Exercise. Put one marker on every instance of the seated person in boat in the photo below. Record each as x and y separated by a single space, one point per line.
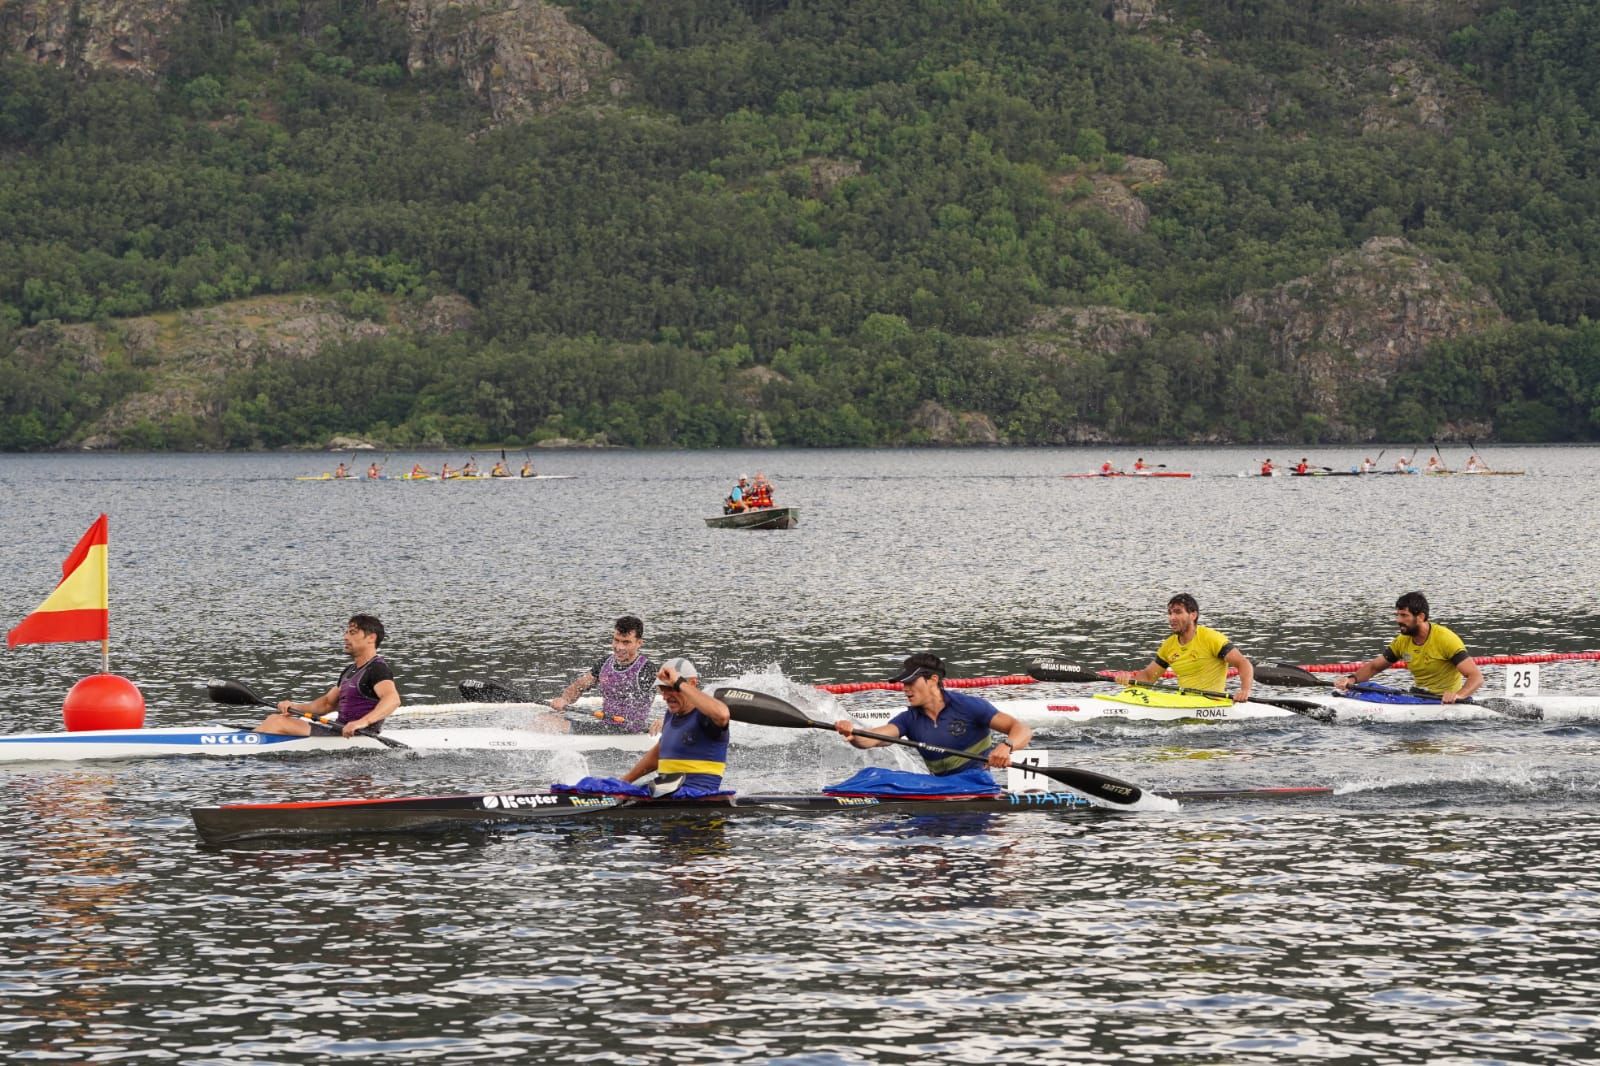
1439 660
341 471
1436 465
499 469
936 715
1267 468
1403 465
470 467
445 473
373 473
527 468
736 498
1106 469
1475 465
364 695
694 732
1368 465
1138 465
417 471
1303 466
1197 654
624 678
760 492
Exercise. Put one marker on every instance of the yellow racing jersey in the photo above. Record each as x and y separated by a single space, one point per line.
1434 662
1201 663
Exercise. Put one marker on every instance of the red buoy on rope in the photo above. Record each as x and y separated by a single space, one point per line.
103 701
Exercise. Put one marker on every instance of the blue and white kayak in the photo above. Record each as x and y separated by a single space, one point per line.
230 742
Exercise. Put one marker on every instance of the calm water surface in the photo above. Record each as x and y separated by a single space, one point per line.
1443 906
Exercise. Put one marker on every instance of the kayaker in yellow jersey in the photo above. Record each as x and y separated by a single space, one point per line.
1439 660
499 470
1197 654
527 468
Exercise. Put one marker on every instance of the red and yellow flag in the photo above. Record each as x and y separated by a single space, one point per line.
80 606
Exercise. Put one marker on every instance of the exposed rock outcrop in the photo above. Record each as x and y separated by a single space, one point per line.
189 355
123 35
521 57
1365 314
942 426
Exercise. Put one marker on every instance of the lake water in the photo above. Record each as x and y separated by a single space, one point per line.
1442 906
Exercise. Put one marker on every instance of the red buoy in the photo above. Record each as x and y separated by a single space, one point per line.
103 701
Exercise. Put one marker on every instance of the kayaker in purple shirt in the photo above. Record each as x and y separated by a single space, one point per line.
626 679
364 695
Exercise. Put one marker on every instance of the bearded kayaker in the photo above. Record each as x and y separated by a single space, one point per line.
1439 660
364 695
936 715
694 732
1197 654
624 678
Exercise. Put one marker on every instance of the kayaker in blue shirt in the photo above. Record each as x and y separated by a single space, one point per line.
694 732
935 715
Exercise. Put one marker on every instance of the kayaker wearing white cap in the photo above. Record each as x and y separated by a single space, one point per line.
694 732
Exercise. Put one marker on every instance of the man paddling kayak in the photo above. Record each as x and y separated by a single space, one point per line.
935 715
364 695
624 678
694 733
1439 660
1197 654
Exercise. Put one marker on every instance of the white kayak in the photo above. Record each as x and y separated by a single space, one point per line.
228 742
1045 713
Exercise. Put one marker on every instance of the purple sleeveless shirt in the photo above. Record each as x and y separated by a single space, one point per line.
353 703
628 693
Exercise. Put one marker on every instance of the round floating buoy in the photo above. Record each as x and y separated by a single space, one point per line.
103 701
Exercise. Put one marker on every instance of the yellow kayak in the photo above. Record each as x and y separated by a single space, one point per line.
1155 697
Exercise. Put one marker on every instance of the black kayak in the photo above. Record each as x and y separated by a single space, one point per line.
229 823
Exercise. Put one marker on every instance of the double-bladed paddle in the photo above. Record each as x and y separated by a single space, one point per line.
1057 670
1285 674
475 691
238 694
759 708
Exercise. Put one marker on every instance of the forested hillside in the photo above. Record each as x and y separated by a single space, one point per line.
704 222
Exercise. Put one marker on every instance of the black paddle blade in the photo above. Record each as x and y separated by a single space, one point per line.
235 694
1526 712
1058 670
1109 789
1288 674
474 691
759 708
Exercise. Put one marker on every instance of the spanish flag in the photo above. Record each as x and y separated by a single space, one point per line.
80 606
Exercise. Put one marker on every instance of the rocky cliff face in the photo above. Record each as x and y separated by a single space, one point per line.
192 353
520 57
1365 314
122 35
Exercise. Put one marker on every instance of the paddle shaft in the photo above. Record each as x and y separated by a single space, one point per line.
759 708
236 694
1080 780
1046 670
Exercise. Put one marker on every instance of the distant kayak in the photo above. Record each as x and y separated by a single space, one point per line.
1136 473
